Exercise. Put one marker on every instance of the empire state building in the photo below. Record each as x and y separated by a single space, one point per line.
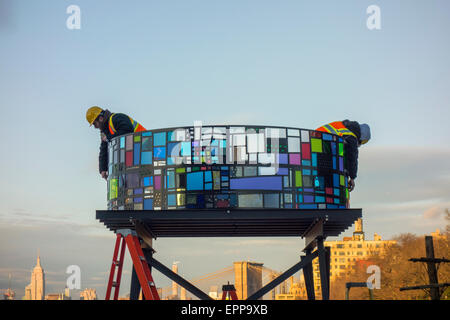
36 289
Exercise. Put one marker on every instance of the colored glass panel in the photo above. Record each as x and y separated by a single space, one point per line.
146 157
137 150
316 145
159 139
298 178
195 181
294 158
341 149
159 153
257 183
306 151
129 158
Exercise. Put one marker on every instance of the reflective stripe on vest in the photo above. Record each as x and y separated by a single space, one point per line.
137 127
336 128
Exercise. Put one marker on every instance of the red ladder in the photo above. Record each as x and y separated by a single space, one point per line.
129 238
229 292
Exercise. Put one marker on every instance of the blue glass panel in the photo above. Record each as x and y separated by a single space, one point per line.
336 192
160 152
320 199
306 172
137 151
195 180
208 176
326 136
257 183
299 198
208 186
171 200
147 181
283 158
147 134
334 163
307 206
332 206
283 171
336 180
306 163
173 149
148 204
314 159
122 142
146 157
333 148
159 139
170 179
185 149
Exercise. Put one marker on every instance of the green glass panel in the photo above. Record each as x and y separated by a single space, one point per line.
316 145
341 149
113 190
298 179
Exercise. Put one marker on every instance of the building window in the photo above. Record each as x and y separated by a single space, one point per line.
340 246
359 246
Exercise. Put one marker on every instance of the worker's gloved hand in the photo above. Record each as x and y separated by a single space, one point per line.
351 184
104 174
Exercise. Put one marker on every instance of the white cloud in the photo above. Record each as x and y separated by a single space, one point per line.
432 213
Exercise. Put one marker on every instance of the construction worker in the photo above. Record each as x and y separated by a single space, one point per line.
354 135
111 125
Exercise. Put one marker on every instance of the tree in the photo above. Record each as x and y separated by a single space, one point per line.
396 270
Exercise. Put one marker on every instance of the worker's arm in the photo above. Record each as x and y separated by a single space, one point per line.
103 158
351 151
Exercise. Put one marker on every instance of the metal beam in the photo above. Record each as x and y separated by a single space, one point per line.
307 260
309 277
175 277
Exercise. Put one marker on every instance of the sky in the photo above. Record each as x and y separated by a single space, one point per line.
170 63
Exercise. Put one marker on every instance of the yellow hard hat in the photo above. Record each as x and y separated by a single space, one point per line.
92 114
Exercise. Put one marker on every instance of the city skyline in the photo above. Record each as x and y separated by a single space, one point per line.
296 64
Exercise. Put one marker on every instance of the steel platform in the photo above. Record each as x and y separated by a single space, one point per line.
231 222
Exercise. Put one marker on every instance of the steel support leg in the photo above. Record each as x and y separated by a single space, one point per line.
135 287
308 275
324 267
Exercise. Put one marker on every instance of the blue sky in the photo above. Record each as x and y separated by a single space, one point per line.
169 63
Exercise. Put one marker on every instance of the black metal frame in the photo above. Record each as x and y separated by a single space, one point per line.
313 225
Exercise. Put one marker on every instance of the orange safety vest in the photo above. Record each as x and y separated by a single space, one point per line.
137 127
337 128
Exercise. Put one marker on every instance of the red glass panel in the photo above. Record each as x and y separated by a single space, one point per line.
306 151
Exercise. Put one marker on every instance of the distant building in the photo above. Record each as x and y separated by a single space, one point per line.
248 278
297 291
346 253
59 296
214 292
36 289
88 294
437 235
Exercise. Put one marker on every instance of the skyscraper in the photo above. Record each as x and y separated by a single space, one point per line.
36 289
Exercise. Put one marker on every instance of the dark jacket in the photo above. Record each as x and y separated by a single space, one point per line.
351 147
123 125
